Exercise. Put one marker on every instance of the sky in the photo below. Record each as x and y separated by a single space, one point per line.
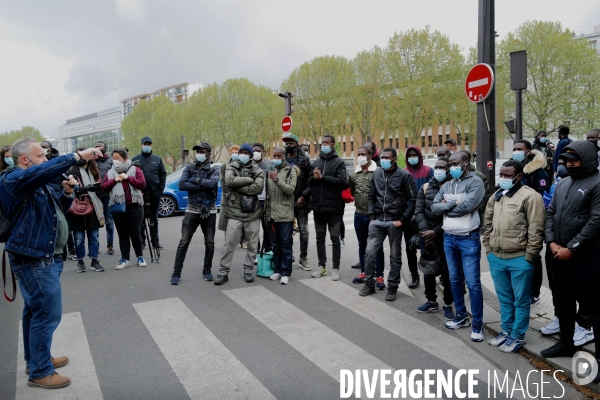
65 58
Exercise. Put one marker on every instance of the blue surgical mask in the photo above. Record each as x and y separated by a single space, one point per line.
277 162
201 157
244 158
518 155
440 175
413 160
325 149
235 157
9 161
386 164
543 139
456 172
146 149
506 183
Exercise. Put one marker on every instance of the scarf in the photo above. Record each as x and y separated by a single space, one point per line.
98 208
117 194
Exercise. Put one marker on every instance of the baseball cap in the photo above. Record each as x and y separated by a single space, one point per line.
203 145
289 136
570 154
146 139
451 141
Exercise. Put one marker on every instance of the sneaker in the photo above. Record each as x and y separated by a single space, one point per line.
360 278
448 313
275 277
57 362
160 246
321 271
512 345
244 245
379 283
342 243
477 336
54 381
458 323
72 256
551 329
582 336
110 250
558 350
123 264
175 279
284 280
248 278
303 263
207 276
95 266
335 274
80 266
391 294
533 300
499 340
415 282
355 266
141 262
430 306
221 279
368 289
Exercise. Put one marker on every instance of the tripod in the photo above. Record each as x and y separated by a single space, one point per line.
150 230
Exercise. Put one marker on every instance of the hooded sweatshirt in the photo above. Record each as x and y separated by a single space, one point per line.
421 173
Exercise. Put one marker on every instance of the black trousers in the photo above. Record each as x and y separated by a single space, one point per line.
189 225
153 214
411 255
129 227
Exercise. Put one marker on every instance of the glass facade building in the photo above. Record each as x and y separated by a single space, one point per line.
86 131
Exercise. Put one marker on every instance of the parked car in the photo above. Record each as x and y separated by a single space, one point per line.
174 200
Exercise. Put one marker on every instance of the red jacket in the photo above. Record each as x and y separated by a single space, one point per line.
138 182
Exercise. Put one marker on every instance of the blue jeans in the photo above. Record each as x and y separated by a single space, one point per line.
109 223
93 244
39 280
463 253
281 234
512 280
378 230
361 226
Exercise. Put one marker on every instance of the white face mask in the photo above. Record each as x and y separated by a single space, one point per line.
117 164
362 160
257 156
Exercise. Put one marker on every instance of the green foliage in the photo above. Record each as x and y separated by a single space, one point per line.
8 138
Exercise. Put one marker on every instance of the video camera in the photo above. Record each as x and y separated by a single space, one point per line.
93 188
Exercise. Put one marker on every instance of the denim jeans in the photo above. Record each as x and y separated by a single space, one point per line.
463 254
512 280
281 234
378 231
39 281
93 244
322 221
361 226
153 214
109 223
189 225
302 218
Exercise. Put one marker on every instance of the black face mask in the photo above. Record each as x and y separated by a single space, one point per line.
573 170
81 163
595 142
290 149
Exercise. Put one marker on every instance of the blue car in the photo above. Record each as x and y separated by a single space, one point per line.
174 200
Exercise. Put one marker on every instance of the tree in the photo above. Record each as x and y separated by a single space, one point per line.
8 138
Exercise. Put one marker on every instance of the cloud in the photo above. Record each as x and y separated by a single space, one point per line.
135 11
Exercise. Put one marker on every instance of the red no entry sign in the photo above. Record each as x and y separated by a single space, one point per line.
286 123
479 83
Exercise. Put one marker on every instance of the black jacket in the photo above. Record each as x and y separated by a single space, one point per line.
534 173
154 172
104 165
201 181
573 218
547 152
77 222
423 215
393 196
327 191
306 169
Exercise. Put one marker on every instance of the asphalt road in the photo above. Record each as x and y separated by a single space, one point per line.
131 335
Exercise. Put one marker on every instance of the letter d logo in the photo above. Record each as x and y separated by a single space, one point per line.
584 367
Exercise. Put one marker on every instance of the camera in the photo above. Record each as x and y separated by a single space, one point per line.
78 190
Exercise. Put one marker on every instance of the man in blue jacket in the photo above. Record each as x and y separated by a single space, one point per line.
564 141
39 234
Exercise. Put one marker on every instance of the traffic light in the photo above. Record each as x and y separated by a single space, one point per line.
287 97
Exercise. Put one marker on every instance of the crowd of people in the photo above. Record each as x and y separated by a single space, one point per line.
448 212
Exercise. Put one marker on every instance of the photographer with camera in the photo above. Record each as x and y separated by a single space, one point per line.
86 215
38 235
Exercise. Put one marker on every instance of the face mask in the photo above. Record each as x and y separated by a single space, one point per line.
518 155
595 142
440 175
201 157
46 151
413 160
81 163
506 183
307 153
325 149
244 158
451 152
456 172
117 164
146 149
573 170
290 149
543 139
235 157
277 162
257 156
9 161
386 164
362 161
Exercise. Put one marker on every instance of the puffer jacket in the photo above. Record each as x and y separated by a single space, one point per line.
360 185
327 191
393 196
534 172
424 217
573 218
201 181
245 180
279 206
514 223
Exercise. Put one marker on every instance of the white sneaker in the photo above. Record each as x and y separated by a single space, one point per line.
285 280
335 274
319 272
477 336
123 264
582 336
275 277
551 329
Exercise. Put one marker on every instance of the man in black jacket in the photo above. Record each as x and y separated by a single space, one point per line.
156 176
329 178
201 180
104 164
392 199
573 234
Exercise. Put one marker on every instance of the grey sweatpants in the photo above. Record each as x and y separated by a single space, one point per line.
234 233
